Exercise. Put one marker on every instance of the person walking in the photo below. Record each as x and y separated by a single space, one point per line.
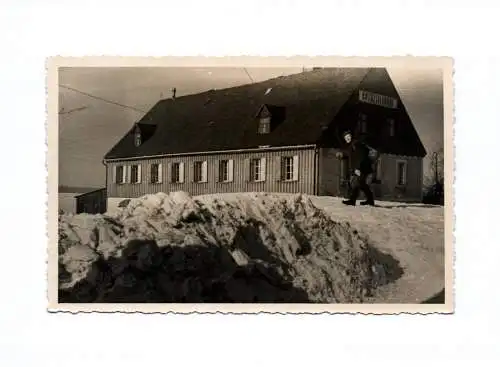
362 175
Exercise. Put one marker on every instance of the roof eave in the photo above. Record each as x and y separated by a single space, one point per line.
166 155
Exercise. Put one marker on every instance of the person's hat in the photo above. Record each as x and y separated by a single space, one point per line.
346 133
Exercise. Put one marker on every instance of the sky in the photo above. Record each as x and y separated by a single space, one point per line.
89 127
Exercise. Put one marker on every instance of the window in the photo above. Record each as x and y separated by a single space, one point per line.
156 173
265 125
226 170
401 173
289 168
363 126
137 139
120 174
178 172
135 174
200 171
392 127
257 169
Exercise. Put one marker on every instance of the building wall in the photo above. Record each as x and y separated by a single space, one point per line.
388 187
330 177
329 173
93 202
240 183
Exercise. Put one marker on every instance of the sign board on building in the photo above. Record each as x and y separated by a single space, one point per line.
378 99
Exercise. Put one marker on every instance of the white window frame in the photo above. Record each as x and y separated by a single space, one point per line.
159 173
290 168
201 176
120 180
405 172
138 178
177 176
137 139
265 125
197 171
224 170
226 175
258 171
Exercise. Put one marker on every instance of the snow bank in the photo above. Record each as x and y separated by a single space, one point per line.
244 248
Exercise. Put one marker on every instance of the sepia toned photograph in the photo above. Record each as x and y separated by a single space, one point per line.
284 185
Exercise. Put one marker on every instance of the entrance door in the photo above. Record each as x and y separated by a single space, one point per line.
344 176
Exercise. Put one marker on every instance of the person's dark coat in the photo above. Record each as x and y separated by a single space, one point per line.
359 157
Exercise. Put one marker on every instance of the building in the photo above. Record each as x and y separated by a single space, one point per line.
67 197
93 202
280 135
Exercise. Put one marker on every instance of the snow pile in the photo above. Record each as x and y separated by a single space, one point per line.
245 248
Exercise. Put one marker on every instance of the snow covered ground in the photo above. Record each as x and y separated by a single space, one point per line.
412 233
252 247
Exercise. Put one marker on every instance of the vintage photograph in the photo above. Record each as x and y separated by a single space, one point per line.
303 185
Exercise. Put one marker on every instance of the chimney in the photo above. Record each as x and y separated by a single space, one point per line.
174 90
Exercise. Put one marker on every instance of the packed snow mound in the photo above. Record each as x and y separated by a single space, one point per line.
248 248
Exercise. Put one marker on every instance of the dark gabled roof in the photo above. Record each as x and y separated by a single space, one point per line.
226 119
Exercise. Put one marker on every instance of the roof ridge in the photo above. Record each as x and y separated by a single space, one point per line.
280 77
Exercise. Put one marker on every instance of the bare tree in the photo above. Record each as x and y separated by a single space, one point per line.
434 190
437 167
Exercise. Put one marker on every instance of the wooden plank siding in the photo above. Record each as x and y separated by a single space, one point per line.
272 183
93 202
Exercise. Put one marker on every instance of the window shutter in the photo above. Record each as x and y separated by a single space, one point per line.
263 168
278 168
128 170
204 173
139 173
114 174
190 173
230 169
295 167
246 172
217 171
160 173
181 172
170 176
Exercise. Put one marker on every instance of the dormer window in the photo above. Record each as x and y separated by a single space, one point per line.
265 125
137 136
137 139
